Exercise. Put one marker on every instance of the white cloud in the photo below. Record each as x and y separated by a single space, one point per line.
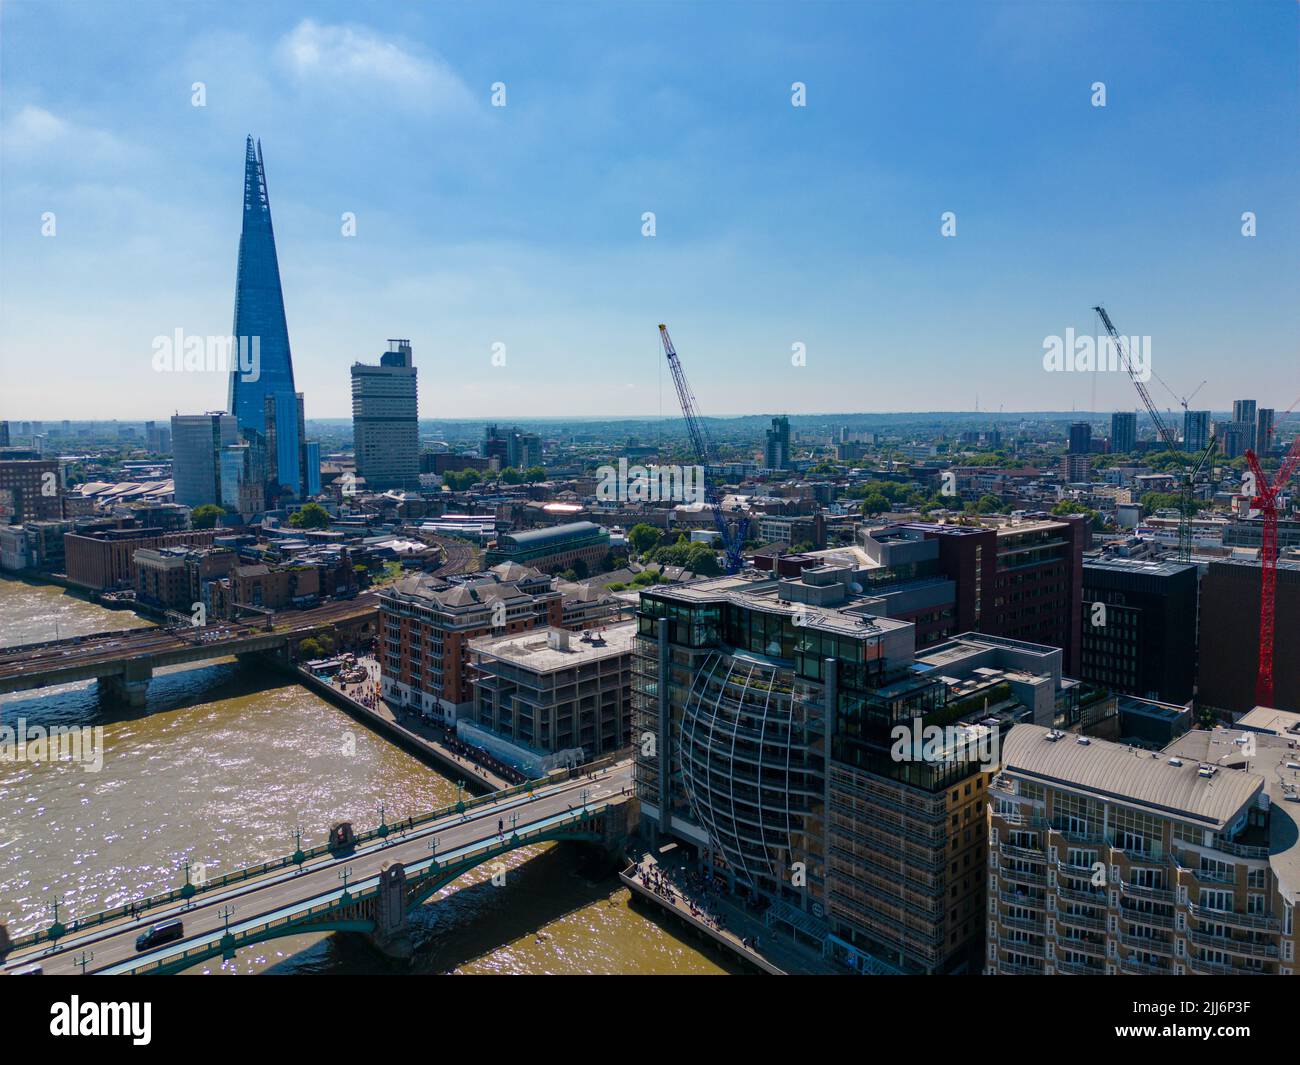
34 130
354 59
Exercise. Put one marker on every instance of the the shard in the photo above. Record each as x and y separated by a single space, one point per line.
260 325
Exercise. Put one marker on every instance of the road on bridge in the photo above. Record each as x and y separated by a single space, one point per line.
83 653
113 944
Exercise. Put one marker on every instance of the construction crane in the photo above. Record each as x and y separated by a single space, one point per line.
733 540
1166 434
1265 501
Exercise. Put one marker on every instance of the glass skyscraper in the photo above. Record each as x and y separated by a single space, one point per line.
260 324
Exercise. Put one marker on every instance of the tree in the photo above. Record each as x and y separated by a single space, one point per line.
580 570
310 648
510 475
644 538
206 516
312 516
874 503
534 474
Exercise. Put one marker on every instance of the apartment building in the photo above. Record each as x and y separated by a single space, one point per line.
1107 859
427 623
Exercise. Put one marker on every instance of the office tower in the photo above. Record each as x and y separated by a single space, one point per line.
774 708
313 468
1139 627
776 447
1232 439
1264 430
1123 432
4 434
524 450
496 445
1244 414
243 478
285 443
260 326
1080 439
197 441
1196 430
385 420
1104 859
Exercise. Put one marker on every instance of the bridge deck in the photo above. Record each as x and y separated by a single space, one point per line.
255 903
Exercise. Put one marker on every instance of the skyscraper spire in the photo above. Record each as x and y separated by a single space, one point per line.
262 331
259 302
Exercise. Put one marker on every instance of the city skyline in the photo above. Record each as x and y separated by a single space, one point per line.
773 229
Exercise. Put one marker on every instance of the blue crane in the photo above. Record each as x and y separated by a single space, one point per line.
733 538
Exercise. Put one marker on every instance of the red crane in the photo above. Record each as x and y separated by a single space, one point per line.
1265 501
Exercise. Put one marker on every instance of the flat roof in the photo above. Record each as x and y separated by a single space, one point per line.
532 650
1129 775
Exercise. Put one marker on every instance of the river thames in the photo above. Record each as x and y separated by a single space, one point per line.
223 767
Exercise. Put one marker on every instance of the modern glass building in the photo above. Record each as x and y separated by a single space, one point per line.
260 323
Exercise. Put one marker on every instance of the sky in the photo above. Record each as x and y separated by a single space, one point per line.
798 254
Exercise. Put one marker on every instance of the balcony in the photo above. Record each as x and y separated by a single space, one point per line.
1234 946
1139 891
1237 920
1083 946
1023 852
1133 967
1075 920
1032 902
1076 968
1033 950
1087 898
1150 945
1036 879
1154 920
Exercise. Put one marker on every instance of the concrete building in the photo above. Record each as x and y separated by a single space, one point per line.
1123 432
385 420
1246 415
550 697
776 445
1106 859
1196 430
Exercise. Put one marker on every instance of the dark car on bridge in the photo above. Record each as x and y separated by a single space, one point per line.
166 932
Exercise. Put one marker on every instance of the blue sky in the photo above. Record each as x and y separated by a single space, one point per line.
775 225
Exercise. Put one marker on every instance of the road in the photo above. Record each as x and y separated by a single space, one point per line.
252 901
81 653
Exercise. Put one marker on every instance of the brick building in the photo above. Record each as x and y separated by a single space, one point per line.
104 559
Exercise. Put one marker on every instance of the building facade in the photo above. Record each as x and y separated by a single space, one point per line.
385 420
551 697
1105 860
1139 627
560 547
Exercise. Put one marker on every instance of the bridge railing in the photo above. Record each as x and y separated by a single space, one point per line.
436 868
142 906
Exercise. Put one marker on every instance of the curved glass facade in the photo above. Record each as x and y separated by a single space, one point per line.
753 768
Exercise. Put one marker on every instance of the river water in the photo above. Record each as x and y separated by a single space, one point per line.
222 769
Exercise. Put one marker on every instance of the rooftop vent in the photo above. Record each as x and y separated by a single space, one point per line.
1053 735
1083 741
1175 761
1207 771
